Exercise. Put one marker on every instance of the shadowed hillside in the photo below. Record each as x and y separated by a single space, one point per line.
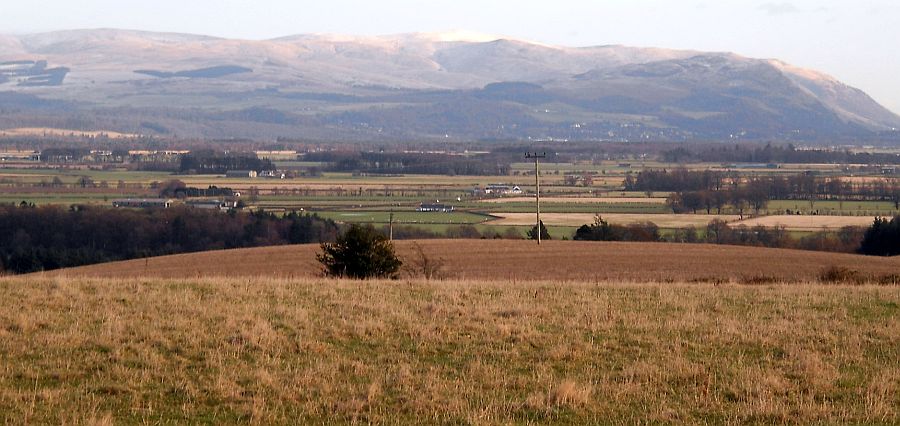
412 86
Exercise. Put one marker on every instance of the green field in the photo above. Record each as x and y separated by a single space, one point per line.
70 176
549 207
59 199
403 217
350 198
843 208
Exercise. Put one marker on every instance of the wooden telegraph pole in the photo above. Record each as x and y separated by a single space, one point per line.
391 227
537 190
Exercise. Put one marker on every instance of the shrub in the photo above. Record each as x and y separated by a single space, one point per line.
889 279
533 232
841 275
425 266
645 231
760 280
512 234
464 231
360 253
600 230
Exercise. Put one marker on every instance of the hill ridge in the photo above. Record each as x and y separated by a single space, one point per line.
518 260
713 95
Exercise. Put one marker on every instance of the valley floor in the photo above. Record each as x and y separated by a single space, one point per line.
288 351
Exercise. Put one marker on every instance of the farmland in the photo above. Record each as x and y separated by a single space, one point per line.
568 332
304 350
808 223
576 184
576 219
789 205
371 199
578 200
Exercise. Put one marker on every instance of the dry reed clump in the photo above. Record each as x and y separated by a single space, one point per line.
565 394
844 275
761 280
279 351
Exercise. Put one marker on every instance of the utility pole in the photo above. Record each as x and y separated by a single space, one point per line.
537 190
391 227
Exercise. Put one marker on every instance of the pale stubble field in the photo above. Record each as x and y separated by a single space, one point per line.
282 351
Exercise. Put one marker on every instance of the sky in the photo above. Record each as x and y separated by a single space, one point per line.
857 41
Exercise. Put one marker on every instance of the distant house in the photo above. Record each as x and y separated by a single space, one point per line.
212 204
272 174
143 203
434 207
752 166
20 156
501 189
241 174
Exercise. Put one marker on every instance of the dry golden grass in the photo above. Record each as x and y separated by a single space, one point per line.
520 260
808 223
663 220
271 351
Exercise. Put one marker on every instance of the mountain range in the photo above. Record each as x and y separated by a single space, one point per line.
422 86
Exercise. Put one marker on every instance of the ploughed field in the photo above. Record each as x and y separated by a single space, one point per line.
520 260
311 350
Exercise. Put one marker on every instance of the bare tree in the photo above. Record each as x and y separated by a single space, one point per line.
425 266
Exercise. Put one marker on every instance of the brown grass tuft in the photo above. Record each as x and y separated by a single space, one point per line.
841 275
569 394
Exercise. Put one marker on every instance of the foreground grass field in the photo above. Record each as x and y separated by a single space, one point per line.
271 351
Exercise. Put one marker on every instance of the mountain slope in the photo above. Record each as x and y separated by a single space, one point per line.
447 85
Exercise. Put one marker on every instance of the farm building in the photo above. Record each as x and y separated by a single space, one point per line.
241 174
501 189
212 204
752 166
434 207
143 203
20 155
272 174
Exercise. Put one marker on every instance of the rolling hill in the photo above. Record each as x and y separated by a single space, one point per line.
412 86
517 260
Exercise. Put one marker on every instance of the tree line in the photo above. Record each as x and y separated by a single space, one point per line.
882 238
412 163
216 162
775 154
712 190
845 240
50 237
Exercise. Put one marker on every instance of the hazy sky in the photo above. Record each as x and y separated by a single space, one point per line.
857 41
